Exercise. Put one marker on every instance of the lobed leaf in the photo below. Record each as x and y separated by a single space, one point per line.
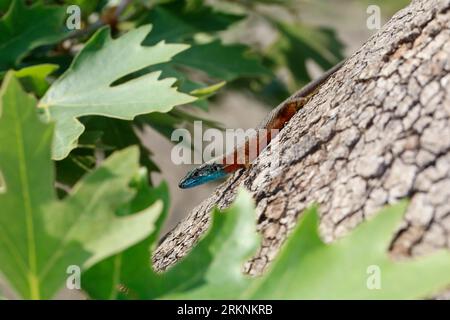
87 87
40 236
305 268
213 267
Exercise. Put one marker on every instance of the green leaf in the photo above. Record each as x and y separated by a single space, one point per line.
185 84
70 170
223 62
194 4
24 28
106 279
33 78
340 270
213 263
174 23
119 134
305 268
86 88
213 270
41 236
4 5
186 21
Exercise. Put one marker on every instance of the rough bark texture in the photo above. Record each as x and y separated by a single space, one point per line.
377 131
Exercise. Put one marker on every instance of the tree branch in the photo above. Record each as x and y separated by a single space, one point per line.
376 132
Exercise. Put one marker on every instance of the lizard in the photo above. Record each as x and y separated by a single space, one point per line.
224 165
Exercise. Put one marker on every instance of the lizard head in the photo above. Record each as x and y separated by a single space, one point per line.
202 174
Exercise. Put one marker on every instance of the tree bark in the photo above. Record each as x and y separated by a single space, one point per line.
378 131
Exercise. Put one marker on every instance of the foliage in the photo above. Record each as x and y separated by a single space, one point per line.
346 269
34 78
24 28
40 235
77 93
185 41
305 268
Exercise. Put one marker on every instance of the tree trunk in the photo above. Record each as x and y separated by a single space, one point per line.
376 132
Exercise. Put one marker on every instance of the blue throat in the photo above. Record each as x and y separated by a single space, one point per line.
201 175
